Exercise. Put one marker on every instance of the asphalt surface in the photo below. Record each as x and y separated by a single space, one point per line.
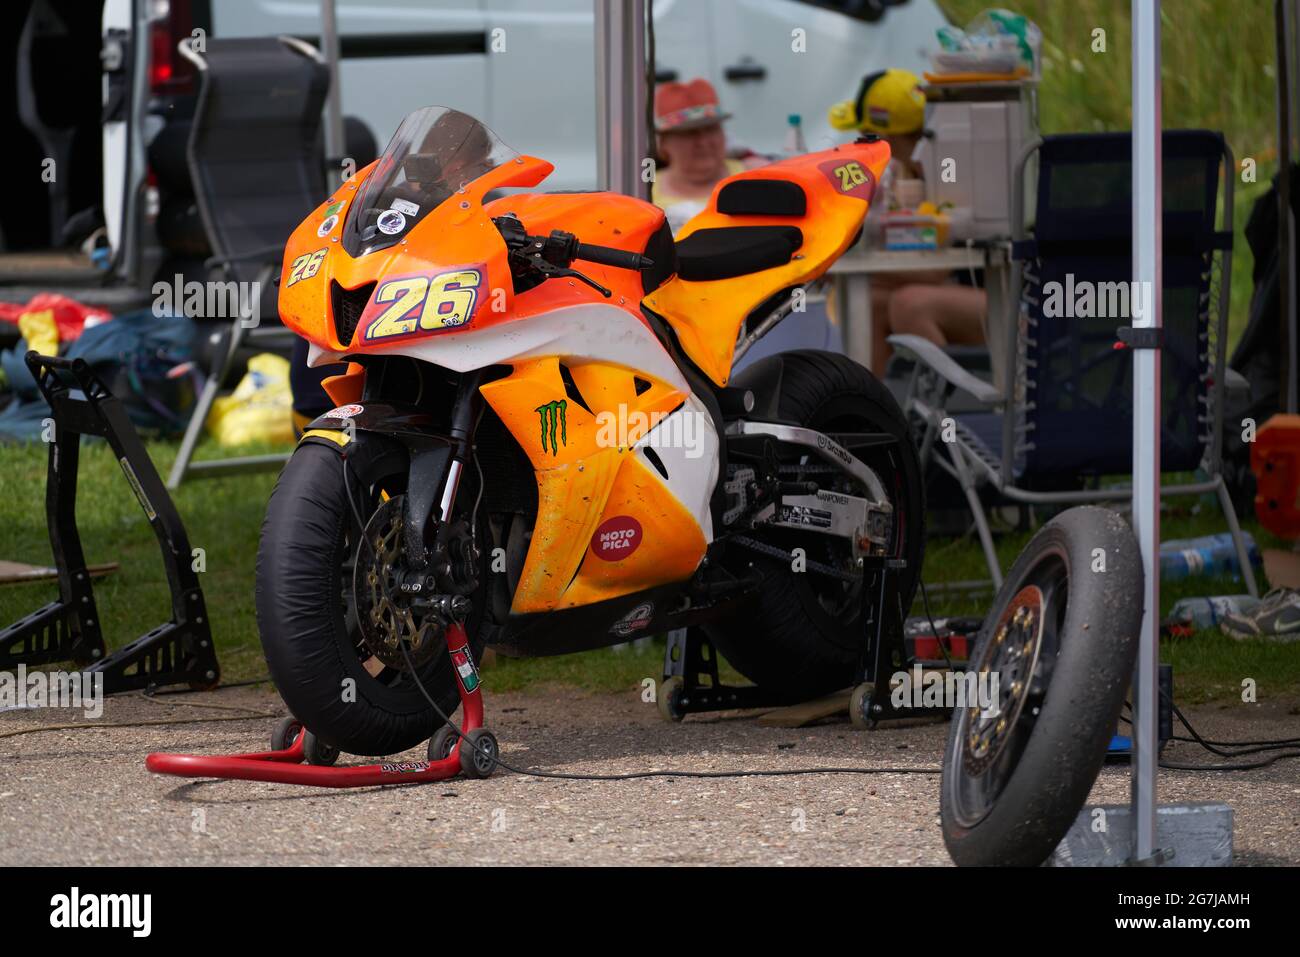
83 796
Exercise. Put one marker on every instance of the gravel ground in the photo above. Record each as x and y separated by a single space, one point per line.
84 797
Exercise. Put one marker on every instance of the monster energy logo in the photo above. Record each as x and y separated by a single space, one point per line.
551 414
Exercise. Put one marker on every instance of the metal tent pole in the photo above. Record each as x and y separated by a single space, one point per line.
622 140
1147 216
329 43
1286 42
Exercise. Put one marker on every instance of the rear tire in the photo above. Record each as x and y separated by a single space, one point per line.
789 641
313 653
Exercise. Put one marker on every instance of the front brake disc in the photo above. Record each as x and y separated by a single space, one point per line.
387 615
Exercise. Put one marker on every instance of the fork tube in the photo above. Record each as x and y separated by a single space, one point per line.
469 403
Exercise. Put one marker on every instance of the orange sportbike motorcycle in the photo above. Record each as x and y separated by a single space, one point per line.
538 433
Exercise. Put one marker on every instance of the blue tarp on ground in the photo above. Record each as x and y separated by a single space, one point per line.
132 354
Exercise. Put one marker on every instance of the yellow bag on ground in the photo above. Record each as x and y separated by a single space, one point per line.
40 331
261 407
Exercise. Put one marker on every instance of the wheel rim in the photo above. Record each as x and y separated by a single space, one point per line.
1021 648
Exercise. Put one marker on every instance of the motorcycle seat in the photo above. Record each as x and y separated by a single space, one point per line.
729 251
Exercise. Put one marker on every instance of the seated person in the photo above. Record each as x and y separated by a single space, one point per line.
693 148
932 305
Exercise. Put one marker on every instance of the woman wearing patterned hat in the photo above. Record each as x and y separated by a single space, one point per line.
688 121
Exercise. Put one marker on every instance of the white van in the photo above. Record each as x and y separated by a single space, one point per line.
526 68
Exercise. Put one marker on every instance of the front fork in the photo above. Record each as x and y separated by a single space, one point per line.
437 466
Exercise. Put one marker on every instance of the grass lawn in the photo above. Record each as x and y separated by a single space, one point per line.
223 516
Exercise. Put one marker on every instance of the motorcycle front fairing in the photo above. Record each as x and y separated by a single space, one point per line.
589 381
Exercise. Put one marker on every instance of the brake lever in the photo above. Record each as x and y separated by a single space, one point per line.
551 271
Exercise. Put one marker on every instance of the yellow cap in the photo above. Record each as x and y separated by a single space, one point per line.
888 102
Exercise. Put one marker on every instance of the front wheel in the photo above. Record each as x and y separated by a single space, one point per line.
1058 646
354 693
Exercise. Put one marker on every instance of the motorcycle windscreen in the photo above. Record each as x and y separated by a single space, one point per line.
434 155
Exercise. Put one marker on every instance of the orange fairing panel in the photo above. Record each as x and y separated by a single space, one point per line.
604 526
347 387
451 263
838 183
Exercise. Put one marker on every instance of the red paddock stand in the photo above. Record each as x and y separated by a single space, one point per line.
475 754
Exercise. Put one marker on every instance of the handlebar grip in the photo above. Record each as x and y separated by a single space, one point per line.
608 256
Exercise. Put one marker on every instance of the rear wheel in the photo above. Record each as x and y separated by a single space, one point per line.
354 695
804 634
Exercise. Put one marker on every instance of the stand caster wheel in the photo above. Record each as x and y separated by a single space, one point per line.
442 743
317 751
860 706
479 753
669 699
285 733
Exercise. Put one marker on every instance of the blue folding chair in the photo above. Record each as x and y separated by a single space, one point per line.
1061 416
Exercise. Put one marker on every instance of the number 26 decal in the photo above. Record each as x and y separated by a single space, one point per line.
413 304
306 266
850 177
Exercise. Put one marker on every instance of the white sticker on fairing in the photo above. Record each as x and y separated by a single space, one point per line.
344 412
327 226
391 222
404 206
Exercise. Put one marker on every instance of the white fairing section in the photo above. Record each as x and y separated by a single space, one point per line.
594 331
686 442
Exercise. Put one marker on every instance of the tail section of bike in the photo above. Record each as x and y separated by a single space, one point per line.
765 230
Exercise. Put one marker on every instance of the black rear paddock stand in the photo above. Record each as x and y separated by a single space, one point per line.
179 651
692 685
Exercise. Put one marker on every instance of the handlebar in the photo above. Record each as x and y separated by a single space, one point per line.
608 256
561 248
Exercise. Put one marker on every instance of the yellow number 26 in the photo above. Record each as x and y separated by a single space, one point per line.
447 299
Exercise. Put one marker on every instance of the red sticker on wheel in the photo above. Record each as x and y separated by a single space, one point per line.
617 538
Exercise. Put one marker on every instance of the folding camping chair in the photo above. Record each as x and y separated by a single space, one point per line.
1062 416
257 170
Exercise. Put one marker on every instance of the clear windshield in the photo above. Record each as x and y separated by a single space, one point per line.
435 152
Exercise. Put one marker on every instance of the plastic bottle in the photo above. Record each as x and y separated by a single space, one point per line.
1207 612
1209 555
794 142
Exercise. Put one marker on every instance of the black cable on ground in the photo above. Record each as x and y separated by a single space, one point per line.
1286 748
249 715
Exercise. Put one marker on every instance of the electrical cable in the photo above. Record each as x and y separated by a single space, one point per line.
249 715
925 599
1284 748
